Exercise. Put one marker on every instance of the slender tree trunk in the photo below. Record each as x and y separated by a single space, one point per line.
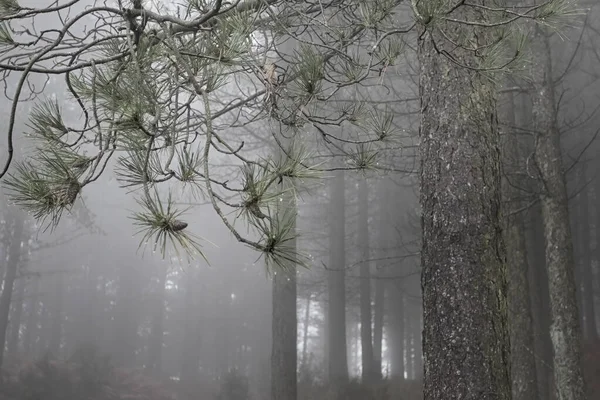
14 256
409 347
31 325
284 348
379 306
565 330
418 329
366 340
155 342
539 303
284 351
192 341
305 365
15 321
589 311
56 314
524 375
465 340
338 358
378 311
397 330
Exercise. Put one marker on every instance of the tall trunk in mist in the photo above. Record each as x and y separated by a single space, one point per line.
465 339
15 321
418 345
379 306
596 254
583 222
284 350
192 339
155 341
524 375
565 329
305 324
31 324
14 256
125 321
396 336
336 277
378 312
366 340
56 315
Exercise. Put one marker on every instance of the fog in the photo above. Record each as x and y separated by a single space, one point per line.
92 301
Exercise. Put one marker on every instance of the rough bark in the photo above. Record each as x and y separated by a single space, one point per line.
14 256
565 329
366 340
465 339
523 372
337 358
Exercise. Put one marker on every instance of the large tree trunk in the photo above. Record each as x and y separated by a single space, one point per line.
565 330
338 359
465 339
366 340
524 375
14 256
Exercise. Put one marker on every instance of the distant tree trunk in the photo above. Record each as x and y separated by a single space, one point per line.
409 347
540 300
418 330
397 329
155 341
378 310
125 321
15 321
587 277
379 306
14 256
524 375
56 315
366 340
337 345
192 338
565 330
31 325
597 231
306 323
284 350
465 340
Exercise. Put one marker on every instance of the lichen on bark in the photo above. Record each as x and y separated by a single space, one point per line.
465 338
